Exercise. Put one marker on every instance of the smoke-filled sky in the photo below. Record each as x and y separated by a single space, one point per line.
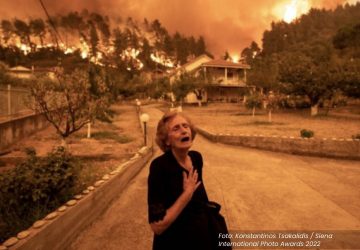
226 24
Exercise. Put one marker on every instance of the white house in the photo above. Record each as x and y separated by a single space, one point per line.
227 79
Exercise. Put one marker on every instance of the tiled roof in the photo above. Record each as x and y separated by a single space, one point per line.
219 63
19 68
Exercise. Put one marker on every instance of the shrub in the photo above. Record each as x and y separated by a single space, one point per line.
304 133
357 136
253 101
34 188
103 135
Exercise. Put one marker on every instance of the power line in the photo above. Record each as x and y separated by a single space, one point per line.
57 35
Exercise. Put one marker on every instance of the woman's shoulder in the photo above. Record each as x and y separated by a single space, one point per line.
160 162
197 157
194 152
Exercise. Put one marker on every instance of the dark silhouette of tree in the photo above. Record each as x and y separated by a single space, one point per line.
145 54
226 56
264 73
181 48
22 29
37 27
249 53
302 75
7 30
94 39
200 46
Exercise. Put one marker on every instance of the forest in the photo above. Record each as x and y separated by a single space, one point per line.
317 56
77 38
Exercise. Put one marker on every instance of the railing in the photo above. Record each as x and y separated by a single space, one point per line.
13 102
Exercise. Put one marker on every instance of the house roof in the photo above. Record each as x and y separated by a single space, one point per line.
201 57
20 69
219 63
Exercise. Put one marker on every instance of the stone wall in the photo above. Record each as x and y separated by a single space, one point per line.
58 229
326 147
14 130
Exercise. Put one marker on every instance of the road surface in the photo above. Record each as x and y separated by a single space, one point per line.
258 190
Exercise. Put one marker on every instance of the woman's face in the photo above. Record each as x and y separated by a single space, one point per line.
179 133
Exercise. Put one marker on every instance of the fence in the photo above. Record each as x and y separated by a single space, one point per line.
13 101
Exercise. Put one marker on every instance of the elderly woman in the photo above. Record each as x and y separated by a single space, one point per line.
176 193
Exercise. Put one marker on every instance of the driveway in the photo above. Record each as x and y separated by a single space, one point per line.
258 190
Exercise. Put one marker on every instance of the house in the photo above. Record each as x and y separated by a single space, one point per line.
20 72
26 73
227 80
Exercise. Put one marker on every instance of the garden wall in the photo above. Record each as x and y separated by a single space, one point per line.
14 130
58 229
326 147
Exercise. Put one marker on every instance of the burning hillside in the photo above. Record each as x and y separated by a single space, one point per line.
124 43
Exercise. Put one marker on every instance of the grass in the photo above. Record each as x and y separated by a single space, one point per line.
235 118
108 135
261 123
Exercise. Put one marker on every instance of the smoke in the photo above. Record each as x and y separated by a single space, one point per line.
226 24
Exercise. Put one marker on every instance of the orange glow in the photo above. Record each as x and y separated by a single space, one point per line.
24 48
295 9
235 58
290 13
161 59
84 49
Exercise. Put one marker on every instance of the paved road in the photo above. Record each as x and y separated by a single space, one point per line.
258 190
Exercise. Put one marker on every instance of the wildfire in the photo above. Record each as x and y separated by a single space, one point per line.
84 49
161 59
131 54
235 58
24 48
295 9
68 51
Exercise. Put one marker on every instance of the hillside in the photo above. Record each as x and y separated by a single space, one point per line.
76 38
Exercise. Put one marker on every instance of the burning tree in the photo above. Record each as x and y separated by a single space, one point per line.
67 102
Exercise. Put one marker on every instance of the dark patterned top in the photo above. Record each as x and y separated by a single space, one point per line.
165 184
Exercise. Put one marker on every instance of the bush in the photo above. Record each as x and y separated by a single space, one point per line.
357 136
34 188
253 101
304 133
103 135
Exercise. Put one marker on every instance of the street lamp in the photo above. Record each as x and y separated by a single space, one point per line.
144 118
138 104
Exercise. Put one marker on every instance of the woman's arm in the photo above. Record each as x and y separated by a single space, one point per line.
190 184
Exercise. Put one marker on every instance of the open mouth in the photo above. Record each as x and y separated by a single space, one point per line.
185 139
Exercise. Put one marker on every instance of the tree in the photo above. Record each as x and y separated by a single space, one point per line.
144 55
226 56
200 46
350 78
94 39
300 74
37 27
253 101
67 103
158 88
4 77
264 73
181 48
7 30
22 29
186 84
250 53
